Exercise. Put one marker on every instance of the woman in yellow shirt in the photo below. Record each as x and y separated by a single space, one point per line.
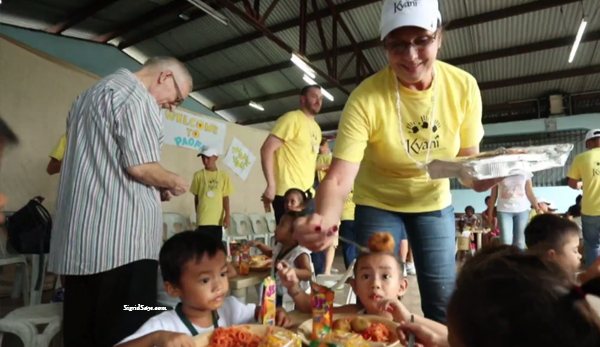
413 111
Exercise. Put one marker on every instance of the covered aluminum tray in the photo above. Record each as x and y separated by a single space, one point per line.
501 162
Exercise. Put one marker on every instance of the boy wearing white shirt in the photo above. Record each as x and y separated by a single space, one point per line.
194 268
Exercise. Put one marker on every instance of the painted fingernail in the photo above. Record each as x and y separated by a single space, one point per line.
318 229
335 228
330 234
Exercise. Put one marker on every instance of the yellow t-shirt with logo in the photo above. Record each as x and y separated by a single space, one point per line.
369 134
296 159
586 167
323 159
58 152
210 210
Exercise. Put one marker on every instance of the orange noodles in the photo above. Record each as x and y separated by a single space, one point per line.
234 337
377 332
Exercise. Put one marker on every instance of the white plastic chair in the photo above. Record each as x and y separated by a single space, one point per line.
162 297
193 221
240 228
260 228
25 321
331 280
21 279
271 225
173 223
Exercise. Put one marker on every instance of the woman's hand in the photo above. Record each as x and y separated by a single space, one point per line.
396 308
255 244
315 233
287 275
282 319
424 337
172 339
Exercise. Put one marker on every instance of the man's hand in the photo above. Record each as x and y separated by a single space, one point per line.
165 194
269 195
226 221
180 187
579 185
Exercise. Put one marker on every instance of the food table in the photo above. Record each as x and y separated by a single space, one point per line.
239 284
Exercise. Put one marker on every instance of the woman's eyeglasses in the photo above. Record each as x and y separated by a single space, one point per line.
420 44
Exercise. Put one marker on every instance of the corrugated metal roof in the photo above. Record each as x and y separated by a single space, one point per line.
90 28
125 10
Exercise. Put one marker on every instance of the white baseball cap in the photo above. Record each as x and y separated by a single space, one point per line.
592 134
209 152
403 13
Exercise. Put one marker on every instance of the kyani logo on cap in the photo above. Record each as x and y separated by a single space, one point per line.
401 5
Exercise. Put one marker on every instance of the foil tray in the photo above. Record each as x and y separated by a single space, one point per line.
501 162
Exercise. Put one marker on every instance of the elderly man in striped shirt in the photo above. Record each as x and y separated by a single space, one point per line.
108 227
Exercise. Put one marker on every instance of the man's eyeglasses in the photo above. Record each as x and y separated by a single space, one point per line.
179 99
420 44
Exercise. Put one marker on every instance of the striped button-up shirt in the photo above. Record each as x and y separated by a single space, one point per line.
104 217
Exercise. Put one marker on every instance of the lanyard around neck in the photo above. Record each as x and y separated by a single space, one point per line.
189 324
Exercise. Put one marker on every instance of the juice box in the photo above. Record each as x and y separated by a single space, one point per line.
244 260
322 311
266 315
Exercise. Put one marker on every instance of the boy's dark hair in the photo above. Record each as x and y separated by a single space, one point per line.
7 136
506 290
471 208
305 89
184 247
306 195
548 231
487 198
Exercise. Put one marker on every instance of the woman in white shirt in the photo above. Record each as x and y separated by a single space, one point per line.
515 197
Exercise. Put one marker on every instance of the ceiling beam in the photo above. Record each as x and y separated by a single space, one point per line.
79 16
508 12
259 27
375 42
509 82
347 6
152 15
281 95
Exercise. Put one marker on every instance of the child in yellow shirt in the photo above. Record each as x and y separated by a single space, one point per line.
212 189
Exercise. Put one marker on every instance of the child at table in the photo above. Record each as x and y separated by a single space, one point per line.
557 239
296 199
194 268
287 250
378 283
507 297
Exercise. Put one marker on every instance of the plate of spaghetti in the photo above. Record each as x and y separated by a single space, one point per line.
239 336
376 331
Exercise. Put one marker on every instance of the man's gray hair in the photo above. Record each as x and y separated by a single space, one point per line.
170 63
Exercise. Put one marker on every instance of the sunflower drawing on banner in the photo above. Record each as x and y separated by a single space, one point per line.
239 159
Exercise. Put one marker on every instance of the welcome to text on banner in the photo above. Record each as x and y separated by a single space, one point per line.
188 130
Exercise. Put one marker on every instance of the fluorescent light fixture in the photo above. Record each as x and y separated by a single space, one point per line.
577 40
308 80
325 93
210 11
256 106
302 65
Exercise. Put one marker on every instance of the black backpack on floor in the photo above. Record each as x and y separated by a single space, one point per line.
29 228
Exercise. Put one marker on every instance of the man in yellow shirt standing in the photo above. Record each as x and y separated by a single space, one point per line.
212 189
56 156
585 173
289 156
